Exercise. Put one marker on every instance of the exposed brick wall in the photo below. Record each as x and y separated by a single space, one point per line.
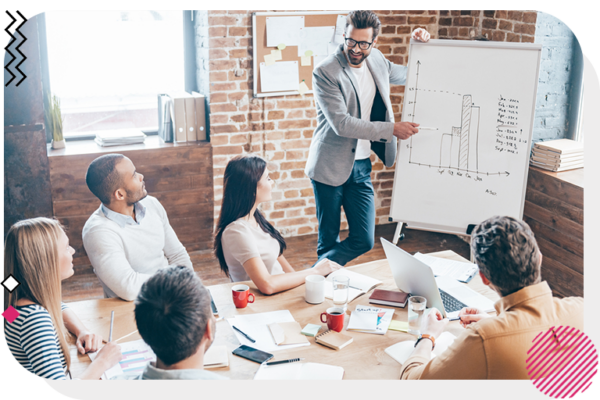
498 25
280 128
561 70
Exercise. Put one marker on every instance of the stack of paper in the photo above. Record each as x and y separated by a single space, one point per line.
136 355
461 271
257 327
359 284
362 320
216 357
299 371
384 318
119 137
557 155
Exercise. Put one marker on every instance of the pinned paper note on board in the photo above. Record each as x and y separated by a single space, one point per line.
315 38
340 27
269 59
284 30
331 47
276 55
305 61
303 88
280 76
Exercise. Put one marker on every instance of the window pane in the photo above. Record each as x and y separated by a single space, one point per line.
107 67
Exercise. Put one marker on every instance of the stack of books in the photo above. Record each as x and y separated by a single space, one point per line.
119 137
557 155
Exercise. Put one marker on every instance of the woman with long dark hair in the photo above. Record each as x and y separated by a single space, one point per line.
246 244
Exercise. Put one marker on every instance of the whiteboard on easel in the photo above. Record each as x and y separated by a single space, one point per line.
476 101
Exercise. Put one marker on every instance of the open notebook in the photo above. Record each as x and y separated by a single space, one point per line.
359 284
401 351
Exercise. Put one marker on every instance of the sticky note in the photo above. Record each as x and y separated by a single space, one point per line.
276 55
306 61
303 88
311 329
308 53
281 46
269 59
398 326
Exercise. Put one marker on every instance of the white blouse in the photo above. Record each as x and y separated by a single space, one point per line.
241 241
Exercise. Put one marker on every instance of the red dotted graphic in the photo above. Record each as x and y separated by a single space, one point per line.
562 362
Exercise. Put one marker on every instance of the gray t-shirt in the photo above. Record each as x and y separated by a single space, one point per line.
241 242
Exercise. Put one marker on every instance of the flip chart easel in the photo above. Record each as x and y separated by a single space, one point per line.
481 99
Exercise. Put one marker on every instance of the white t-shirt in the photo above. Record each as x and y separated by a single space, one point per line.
366 95
241 241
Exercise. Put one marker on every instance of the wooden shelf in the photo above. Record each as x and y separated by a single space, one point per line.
80 147
554 211
574 176
180 176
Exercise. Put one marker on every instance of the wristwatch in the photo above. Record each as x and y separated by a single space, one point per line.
426 336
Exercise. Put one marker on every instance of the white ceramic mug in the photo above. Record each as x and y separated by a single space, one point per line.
315 289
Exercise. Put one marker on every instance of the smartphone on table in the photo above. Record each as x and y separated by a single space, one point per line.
252 354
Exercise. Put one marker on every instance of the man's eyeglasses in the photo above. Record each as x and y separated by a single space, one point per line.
362 45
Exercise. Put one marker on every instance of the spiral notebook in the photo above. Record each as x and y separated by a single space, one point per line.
333 339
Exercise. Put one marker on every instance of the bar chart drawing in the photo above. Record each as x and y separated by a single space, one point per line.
458 145
474 103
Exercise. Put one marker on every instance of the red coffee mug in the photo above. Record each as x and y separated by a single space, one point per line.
334 317
241 296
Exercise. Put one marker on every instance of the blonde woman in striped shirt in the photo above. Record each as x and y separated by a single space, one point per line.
37 253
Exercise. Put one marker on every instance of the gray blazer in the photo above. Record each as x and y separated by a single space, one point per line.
339 124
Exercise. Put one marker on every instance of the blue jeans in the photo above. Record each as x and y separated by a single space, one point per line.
357 197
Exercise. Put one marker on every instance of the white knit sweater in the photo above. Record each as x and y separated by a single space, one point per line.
123 258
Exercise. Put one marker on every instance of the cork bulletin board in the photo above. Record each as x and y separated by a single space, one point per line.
290 53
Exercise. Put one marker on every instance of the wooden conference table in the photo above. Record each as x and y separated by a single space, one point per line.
364 358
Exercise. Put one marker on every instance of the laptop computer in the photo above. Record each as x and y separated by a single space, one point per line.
442 292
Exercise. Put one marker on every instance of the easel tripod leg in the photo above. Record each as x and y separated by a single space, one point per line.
398 234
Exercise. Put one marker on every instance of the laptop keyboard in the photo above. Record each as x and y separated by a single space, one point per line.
450 303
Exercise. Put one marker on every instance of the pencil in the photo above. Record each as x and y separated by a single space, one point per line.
112 320
123 337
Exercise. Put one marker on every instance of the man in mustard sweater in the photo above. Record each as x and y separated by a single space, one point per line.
495 347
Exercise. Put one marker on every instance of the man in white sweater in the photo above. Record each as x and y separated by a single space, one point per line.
128 238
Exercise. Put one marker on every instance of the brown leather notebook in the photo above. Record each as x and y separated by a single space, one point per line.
333 339
389 298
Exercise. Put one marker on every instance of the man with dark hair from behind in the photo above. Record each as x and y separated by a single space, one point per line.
128 238
173 316
496 347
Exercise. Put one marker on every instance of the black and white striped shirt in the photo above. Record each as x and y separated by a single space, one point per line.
33 341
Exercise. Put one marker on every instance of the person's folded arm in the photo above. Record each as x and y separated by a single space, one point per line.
270 284
107 256
463 359
333 105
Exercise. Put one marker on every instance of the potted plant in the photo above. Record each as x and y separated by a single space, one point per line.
55 122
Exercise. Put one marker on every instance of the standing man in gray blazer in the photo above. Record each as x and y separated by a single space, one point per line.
354 116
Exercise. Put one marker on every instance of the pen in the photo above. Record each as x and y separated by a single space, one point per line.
247 337
354 287
291 360
427 128
112 320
